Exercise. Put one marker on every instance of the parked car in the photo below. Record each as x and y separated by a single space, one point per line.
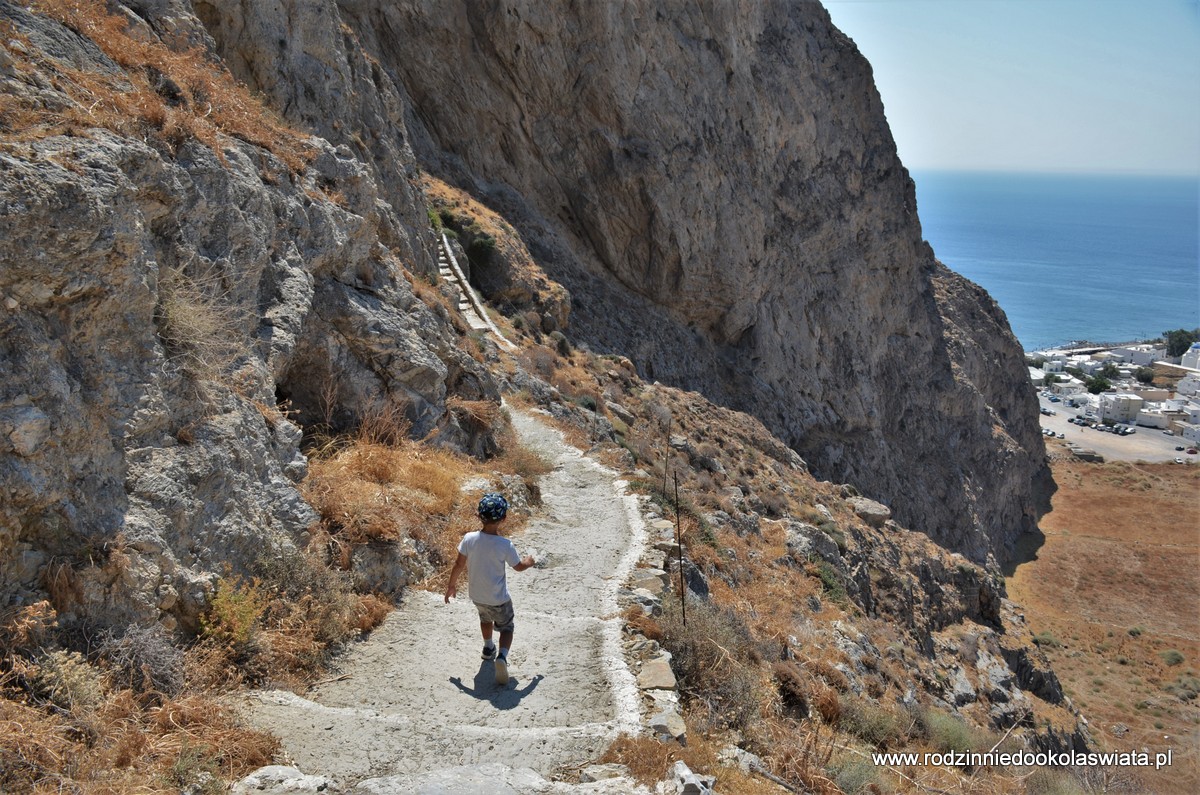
1062 436
1178 460
1191 451
1178 447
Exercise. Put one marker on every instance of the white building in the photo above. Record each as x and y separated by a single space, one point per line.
1189 384
1036 376
1120 406
1067 385
1191 357
1153 418
1141 355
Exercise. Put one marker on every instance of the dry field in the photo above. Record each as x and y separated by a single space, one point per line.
1114 594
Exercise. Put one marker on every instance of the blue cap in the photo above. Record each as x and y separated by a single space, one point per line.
493 507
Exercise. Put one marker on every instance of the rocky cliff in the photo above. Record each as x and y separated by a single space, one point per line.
176 260
725 173
161 294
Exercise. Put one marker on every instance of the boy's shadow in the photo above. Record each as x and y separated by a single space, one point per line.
486 689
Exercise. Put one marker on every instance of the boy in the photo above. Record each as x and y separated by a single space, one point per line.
484 553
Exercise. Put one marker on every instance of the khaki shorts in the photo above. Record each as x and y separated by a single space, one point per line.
500 615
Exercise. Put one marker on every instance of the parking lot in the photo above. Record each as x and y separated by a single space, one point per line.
1148 444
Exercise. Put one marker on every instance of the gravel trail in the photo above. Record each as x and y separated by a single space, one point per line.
415 696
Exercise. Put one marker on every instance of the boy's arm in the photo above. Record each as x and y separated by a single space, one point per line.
452 587
526 562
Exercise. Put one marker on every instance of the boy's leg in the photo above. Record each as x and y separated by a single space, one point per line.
489 648
505 643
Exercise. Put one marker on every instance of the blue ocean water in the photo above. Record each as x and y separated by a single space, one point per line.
1071 257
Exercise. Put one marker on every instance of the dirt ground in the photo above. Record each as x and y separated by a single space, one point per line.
1114 593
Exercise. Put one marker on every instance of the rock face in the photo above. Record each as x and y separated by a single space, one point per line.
725 174
156 303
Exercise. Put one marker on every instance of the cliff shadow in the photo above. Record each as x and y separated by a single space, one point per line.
1024 551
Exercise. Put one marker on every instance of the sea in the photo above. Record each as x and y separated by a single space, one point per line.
1071 258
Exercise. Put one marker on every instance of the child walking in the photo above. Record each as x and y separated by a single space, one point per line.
485 553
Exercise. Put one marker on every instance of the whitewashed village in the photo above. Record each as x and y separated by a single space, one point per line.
1121 390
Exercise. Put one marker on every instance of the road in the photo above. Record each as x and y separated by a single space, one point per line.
1148 444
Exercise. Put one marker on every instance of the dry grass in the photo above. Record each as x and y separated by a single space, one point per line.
373 491
172 96
113 741
649 761
1115 584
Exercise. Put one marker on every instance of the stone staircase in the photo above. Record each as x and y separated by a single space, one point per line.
469 304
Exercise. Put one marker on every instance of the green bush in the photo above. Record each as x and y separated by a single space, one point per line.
869 722
480 249
949 733
1048 640
1171 657
854 774
831 583
561 343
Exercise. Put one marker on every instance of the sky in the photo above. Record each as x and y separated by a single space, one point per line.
1092 86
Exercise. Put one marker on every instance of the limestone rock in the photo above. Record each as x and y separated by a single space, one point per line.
280 780
872 512
657 674
689 783
668 725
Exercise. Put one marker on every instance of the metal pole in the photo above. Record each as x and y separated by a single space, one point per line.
666 456
679 548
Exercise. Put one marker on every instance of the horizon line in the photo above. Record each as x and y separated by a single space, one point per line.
1062 172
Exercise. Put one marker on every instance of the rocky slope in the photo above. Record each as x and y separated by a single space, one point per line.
725 174
159 297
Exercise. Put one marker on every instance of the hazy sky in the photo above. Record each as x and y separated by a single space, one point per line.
1035 85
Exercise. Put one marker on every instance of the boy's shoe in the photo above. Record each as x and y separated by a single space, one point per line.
501 671
489 652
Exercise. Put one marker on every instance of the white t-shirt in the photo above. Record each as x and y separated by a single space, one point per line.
486 556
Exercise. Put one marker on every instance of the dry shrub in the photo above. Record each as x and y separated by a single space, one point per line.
870 722
717 663
66 680
793 687
641 623
34 747
203 330
826 670
370 491
175 95
827 703
372 610
123 746
143 659
800 755
518 459
27 627
539 360
481 415
61 583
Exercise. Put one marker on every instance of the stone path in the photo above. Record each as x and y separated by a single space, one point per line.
469 305
415 697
